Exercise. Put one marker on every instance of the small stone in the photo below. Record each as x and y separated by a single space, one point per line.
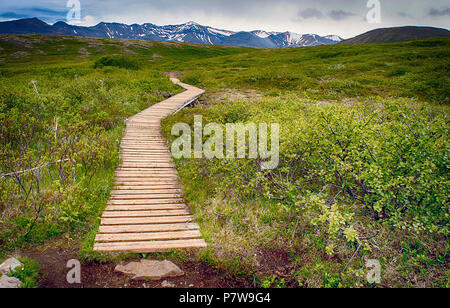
150 269
167 284
9 282
10 265
191 285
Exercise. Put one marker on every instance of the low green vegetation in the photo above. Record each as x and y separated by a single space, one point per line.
363 171
28 274
61 126
355 182
417 69
117 61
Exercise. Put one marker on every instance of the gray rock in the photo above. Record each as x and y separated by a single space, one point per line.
150 269
10 265
167 284
7 282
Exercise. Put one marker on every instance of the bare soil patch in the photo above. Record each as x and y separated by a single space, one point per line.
53 263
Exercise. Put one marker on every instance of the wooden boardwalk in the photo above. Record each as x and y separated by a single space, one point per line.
146 211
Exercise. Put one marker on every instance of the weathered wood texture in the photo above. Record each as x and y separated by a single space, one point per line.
146 211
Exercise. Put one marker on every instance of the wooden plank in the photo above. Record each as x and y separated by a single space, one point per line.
146 138
129 173
147 182
146 151
143 139
148 170
151 185
144 145
147 161
144 135
148 165
150 247
148 148
161 156
147 156
145 142
124 176
132 173
155 213
146 207
147 145
136 237
146 220
150 196
149 175
148 187
148 228
146 202
148 191
153 181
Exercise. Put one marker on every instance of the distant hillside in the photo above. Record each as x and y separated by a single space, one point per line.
398 34
190 32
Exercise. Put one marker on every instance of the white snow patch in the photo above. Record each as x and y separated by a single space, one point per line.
334 38
262 34
223 32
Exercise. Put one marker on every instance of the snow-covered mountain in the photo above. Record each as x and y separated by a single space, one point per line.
189 32
334 38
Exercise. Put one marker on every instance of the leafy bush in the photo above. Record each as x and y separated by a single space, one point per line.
59 145
347 171
117 61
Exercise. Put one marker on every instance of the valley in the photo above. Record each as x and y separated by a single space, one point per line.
363 171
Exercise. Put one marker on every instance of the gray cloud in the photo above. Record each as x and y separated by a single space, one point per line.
440 12
310 13
47 10
13 15
340 14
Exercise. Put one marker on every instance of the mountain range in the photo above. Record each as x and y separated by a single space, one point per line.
190 32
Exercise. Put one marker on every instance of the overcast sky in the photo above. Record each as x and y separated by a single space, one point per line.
346 18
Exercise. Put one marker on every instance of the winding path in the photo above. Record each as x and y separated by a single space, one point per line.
146 211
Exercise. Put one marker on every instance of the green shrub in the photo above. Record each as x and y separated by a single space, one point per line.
70 121
118 61
28 274
386 156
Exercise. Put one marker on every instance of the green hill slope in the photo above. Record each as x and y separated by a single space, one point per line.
397 34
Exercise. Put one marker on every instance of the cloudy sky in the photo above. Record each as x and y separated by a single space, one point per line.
346 18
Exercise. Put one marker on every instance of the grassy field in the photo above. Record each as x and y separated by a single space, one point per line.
364 146
363 172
